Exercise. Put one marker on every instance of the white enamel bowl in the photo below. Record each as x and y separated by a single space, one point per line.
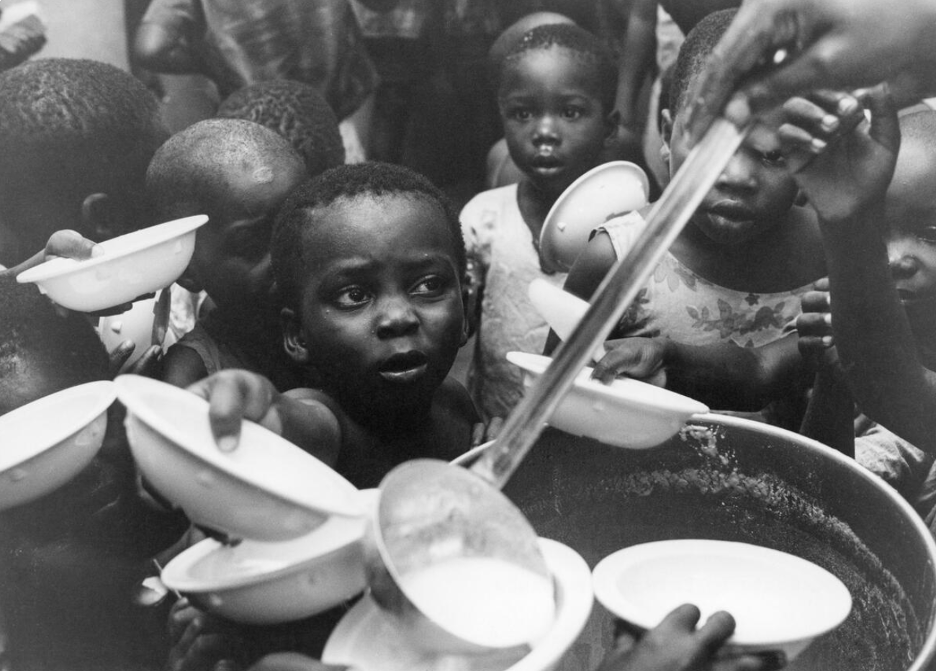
779 601
267 489
134 264
261 583
627 413
604 192
370 638
48 442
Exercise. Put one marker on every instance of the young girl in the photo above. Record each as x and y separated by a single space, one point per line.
732 281
556 99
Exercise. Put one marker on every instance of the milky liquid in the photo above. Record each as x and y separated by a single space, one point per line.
484 600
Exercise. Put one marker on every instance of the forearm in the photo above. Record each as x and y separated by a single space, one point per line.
830 414
729 377
875 343
637 59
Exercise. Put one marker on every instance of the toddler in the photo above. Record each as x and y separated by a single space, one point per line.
297 112
369 260
879 240
732 281
238 173
556 99
71 560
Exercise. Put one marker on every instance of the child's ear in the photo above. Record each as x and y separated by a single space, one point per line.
612 121
102 217
293 340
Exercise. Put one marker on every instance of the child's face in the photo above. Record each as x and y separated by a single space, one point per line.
381 316
554 121
754 192
232 252
910 211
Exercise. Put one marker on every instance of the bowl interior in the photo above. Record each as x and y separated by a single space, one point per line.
262 460
212 566
45 423
622 393
604 192
774 597
115 249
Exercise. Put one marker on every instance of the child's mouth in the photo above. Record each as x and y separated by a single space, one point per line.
404 367
731 212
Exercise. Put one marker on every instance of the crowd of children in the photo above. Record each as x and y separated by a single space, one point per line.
329 300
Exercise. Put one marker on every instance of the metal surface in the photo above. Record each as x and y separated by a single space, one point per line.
737 480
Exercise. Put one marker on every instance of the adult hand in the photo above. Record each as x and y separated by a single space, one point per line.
840 44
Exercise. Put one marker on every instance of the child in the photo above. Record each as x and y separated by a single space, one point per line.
71 560
75 139
238 173
369 260
880 247
297 112
733 279
556 99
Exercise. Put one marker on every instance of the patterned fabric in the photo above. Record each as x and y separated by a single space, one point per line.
680 305
905 467
501 244
312 41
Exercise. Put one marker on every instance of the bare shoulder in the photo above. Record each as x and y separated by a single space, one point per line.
182 366
453 400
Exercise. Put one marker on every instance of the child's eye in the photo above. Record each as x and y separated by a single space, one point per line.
430 285
519 114
352 297
573 113
774 158
927 234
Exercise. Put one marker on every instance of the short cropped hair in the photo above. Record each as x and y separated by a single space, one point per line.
31 330
297 112
79 125
694 52
583 45
190 167
347 182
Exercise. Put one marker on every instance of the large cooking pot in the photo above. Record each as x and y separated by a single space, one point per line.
736 480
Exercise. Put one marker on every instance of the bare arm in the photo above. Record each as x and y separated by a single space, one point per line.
637 59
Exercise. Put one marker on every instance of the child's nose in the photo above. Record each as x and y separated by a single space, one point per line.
397 318
738 174
545 130
902 265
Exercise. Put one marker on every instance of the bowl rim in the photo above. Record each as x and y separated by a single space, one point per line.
127 387
107 393
177 572
547 233
609 569
148 237
628 390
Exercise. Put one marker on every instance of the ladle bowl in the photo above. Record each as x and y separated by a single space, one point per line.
455 561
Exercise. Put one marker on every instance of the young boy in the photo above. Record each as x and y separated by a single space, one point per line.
882 250
238 173
76 137
720 304
297 112
369 260
556 99
71 561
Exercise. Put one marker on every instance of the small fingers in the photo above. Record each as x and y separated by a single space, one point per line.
71 244
233 396
717 629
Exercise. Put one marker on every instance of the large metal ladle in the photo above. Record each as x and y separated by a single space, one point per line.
430 512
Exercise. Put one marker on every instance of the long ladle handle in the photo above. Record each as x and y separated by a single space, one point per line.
665 221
